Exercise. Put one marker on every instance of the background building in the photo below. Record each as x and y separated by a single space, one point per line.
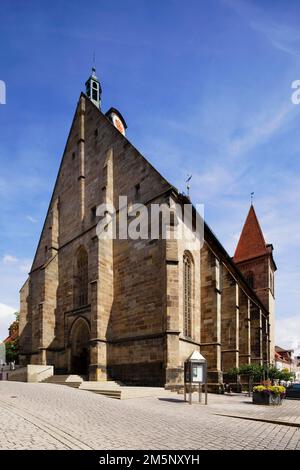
284 359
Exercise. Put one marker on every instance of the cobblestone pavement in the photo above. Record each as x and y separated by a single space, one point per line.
47 416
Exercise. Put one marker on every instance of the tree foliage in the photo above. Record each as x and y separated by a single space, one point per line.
12 350
12 344
258 372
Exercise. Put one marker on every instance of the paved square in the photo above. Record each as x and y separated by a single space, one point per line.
47 416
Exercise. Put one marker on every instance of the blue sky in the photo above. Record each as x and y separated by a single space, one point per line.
205 88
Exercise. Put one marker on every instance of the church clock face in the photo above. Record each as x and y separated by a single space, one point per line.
118 123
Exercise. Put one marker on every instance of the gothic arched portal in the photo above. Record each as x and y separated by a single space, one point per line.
80 348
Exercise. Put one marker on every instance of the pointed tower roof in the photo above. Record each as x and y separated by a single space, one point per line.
251 243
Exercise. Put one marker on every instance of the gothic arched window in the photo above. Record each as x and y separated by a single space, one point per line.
81 278
187 294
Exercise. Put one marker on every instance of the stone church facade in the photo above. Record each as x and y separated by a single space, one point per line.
135 309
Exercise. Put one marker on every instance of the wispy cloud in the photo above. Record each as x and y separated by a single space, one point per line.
31 219
7 259
22 264
13 273
287 332
6 318
13 186
263 128
25 266
279 35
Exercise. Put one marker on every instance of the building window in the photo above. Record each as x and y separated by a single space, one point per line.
93 213
187 294
81 278
218 267
95 95
137 192
250 279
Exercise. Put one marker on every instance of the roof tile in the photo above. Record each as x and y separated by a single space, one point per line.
251 243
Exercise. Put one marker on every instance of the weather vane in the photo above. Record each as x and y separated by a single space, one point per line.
188 185
251 196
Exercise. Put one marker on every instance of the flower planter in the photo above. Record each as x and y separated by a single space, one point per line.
262 398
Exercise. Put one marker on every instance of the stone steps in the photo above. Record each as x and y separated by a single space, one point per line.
109 388
117 394
103 385
121 392
70 380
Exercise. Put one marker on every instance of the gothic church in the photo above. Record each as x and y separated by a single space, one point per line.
134 310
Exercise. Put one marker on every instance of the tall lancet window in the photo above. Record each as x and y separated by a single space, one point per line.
187 294
81 278
95 95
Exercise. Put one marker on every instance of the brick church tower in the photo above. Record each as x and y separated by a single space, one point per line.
254 258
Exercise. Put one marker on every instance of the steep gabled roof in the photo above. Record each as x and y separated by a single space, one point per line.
251 243
118 135
218 249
